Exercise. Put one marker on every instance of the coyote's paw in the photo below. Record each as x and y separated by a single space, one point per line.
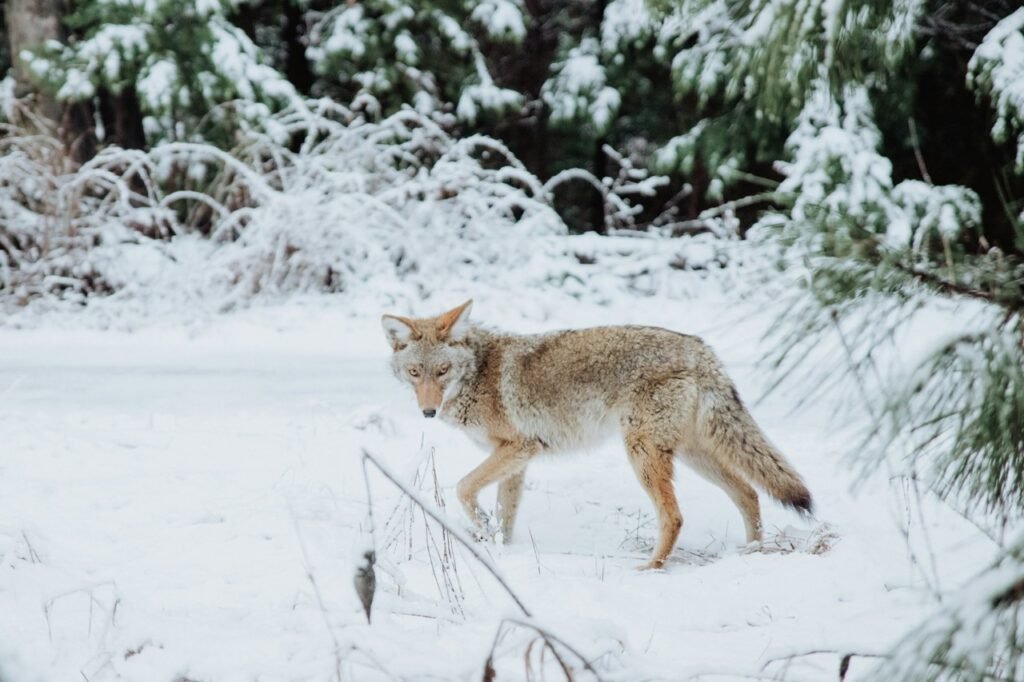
483 529
752 547
652 565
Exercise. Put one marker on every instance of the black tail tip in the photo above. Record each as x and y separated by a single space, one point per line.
801 502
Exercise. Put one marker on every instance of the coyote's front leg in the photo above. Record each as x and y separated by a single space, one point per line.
507 460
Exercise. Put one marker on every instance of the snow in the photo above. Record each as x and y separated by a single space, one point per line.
760 26
156 84
899 28
964 629
997 68
479 98
236 62
372 45
832 19
346 33
7 97
626 23
136 45
206 8
501 19
99 59
396 14
127 41
578 90
944 210
484 96
405 48
186 501
679 152
76 85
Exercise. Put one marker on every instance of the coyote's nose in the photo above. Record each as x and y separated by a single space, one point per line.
429 413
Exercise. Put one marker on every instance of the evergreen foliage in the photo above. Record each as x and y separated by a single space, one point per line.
194 74
750 66
880 251
426 54
997 70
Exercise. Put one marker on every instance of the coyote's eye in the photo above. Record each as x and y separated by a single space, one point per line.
414 371
442 370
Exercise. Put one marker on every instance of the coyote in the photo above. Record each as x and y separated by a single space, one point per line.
522 395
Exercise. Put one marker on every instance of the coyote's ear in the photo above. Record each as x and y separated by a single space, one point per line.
399 330
454 323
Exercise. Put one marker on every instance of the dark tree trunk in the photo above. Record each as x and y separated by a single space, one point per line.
122 118
599 165
954 142
78 131
525 71
30 23
296 67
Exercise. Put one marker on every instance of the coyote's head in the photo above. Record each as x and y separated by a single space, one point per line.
431 354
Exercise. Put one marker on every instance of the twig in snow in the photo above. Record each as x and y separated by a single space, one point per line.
456 533
550 639
844 659
32 554
536 554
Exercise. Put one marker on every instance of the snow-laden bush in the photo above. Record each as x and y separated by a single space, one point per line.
348 206
44 241
397 209
390 201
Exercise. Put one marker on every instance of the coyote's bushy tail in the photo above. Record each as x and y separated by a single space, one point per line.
735 436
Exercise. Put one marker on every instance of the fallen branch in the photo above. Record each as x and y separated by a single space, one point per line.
549 637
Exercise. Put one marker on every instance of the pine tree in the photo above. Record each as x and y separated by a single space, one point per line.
879 250
747 67
554 80
427 54
166 70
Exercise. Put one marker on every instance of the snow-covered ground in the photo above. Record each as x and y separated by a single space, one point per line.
186 501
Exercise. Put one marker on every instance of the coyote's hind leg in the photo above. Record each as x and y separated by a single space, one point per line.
653 467
510 491
736 487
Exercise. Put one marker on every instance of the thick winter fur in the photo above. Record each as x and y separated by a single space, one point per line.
519 396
